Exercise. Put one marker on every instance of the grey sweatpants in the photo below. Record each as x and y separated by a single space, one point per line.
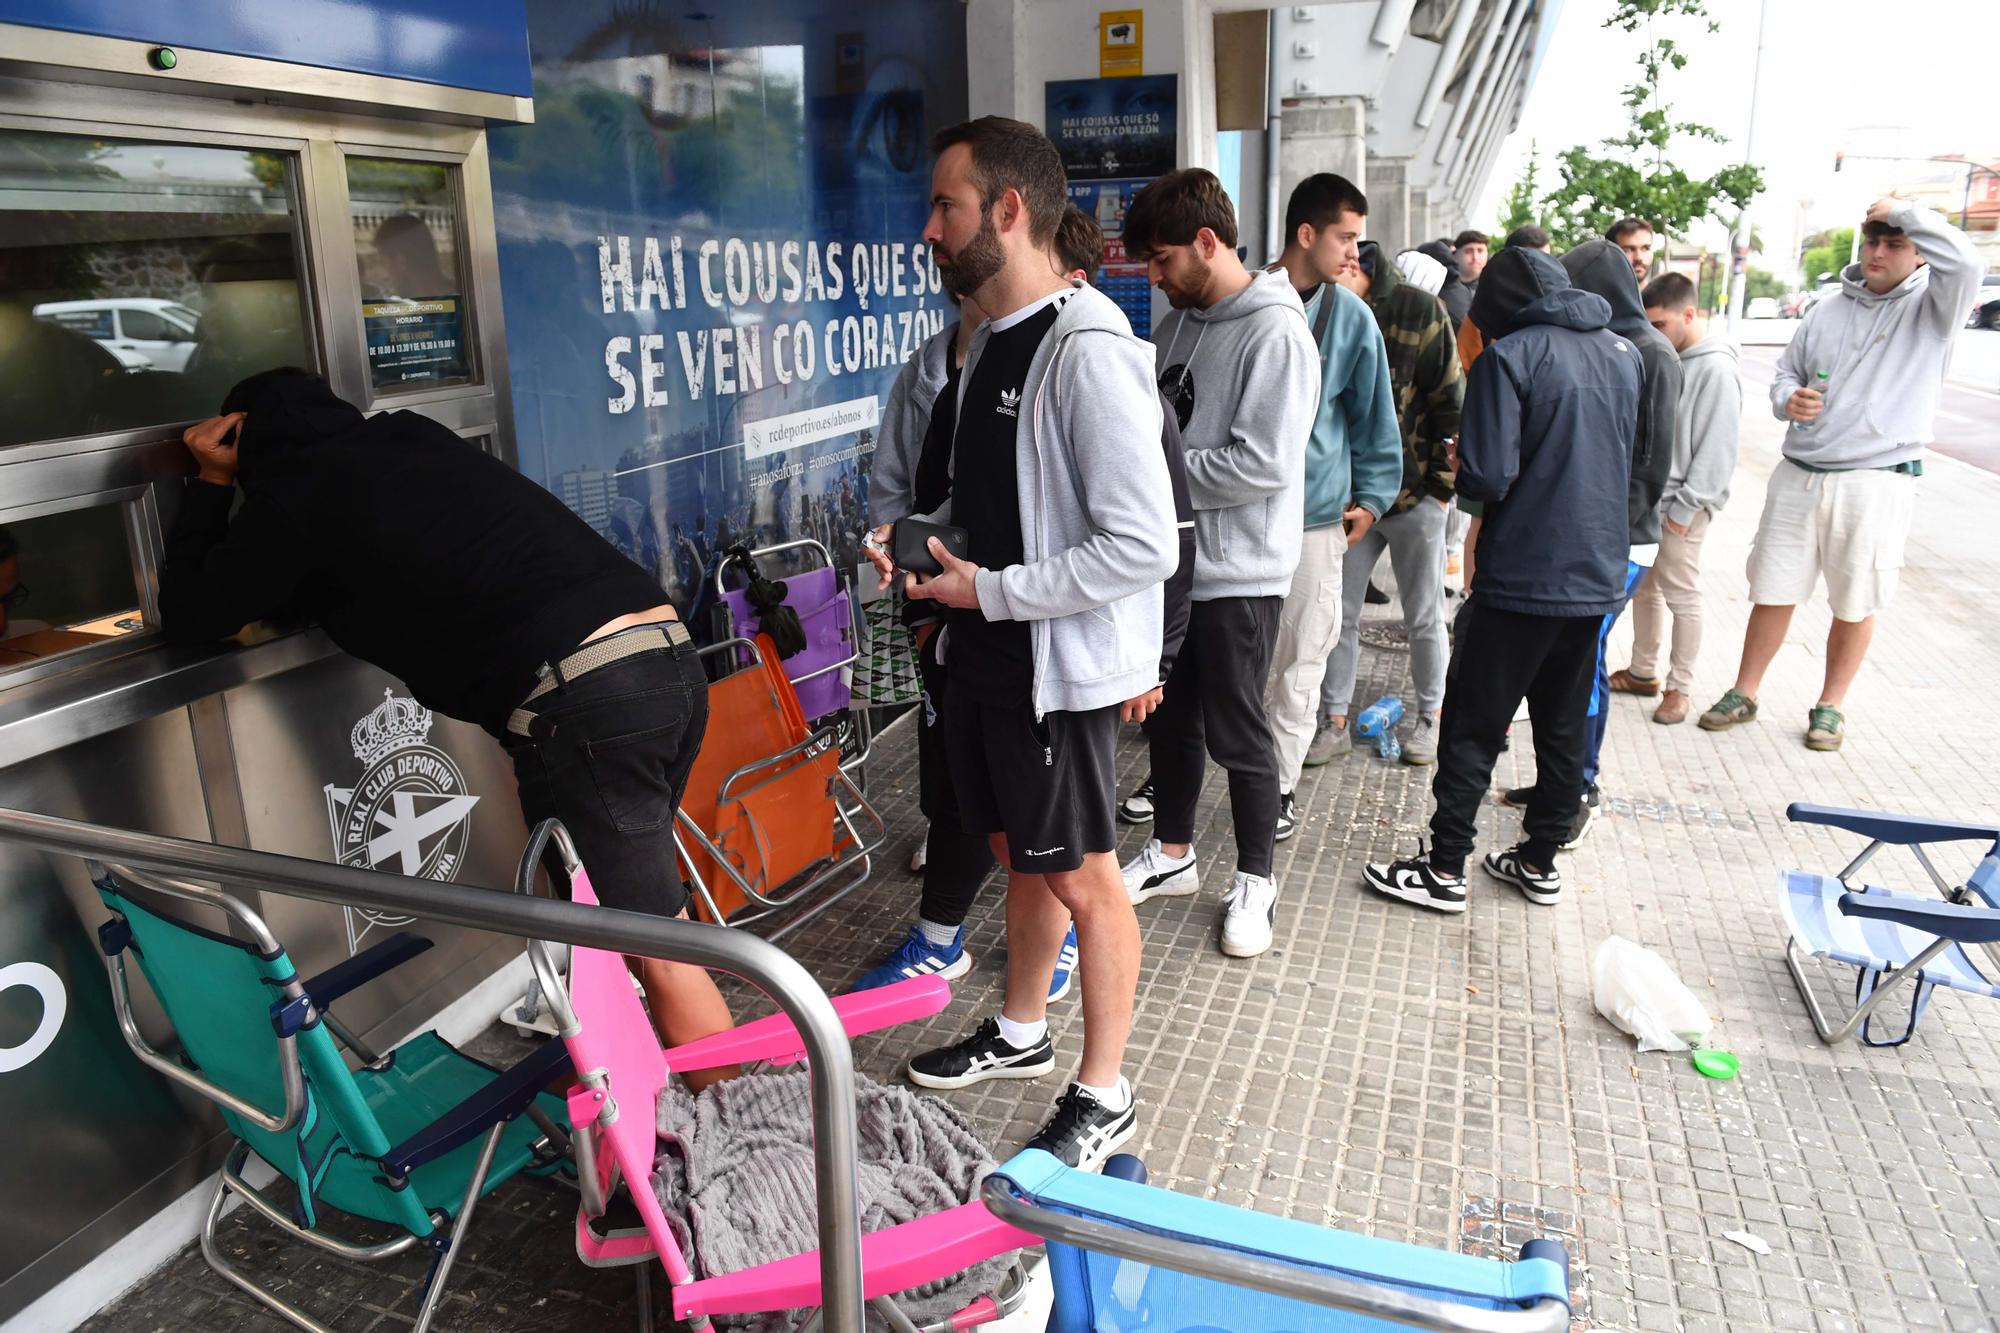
1415 542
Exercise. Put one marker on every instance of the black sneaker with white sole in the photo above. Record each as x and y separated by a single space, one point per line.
1138 807
1288 823
1586 814
1083 1131
1415 881
1517 797
1541 886
983 1055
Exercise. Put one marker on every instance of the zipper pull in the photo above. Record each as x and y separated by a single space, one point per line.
1048 756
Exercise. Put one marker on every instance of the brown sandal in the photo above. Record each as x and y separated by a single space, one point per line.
1624 682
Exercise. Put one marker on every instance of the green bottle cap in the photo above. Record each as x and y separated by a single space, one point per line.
1715 1063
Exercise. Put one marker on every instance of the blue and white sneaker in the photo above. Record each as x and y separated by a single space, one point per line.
1065 967
918 957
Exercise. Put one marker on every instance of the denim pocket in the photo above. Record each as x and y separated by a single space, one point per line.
633 749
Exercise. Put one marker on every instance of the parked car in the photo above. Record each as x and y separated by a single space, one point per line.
1762 307
144 333
1986 306
1794 306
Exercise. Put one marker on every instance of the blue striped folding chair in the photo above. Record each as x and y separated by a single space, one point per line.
1898 943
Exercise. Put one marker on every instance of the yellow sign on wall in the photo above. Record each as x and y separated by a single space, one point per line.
1121 42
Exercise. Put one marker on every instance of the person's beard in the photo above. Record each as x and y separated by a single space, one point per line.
1194 281
976 261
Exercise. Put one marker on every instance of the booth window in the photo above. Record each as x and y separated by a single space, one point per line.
139 281
405 218
66 582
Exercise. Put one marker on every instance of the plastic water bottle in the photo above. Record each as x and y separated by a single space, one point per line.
1818 387
1377 722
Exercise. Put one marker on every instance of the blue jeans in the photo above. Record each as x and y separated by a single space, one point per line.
1600 692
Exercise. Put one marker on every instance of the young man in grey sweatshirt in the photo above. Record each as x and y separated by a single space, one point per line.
1704 459
1858 387
1239 369
1054 622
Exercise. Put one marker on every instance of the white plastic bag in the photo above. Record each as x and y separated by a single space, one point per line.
1636 989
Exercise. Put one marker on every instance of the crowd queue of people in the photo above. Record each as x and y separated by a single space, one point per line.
1177 533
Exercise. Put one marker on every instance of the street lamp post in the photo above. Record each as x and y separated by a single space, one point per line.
1739 244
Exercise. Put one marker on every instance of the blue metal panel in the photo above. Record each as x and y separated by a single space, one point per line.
479 44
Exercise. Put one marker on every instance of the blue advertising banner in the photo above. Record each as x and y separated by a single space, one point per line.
712 265
1115 136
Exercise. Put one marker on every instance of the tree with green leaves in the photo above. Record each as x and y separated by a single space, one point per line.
1826 252
1633 175
1522 207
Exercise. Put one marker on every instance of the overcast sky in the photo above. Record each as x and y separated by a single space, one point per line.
1890 77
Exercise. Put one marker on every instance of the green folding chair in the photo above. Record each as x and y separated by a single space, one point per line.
411 1139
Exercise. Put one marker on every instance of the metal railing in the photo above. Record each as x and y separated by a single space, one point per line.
736 952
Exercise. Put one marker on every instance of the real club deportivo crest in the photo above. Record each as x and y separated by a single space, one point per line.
409 813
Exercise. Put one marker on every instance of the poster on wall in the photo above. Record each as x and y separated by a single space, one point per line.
1115 136
412 343
711 258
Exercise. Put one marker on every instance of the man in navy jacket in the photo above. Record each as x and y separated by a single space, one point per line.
1546 444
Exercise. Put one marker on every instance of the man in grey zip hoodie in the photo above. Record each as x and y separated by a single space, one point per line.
1239 368
1858 386
1055 621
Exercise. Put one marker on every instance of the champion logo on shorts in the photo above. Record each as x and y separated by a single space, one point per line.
1010 403
1046 851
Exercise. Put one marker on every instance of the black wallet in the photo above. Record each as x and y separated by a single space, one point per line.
911 543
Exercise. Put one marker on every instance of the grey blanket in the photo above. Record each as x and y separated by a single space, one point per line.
735 1176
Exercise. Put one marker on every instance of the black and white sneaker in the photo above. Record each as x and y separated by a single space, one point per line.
1586 815
1154 874
983 1055
1138 807
1541 886
1517 797
1288 822
1083 1132
1414 881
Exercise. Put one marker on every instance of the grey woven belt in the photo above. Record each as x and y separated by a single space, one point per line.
593 655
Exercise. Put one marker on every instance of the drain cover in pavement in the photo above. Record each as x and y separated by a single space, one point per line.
1388 635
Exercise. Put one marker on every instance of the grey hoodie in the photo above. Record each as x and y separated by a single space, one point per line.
1244 377
1885 356
1098 536
892 477
1705 431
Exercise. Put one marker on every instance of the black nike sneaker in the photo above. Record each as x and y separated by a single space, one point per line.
1415 881
1083 1131
983 1055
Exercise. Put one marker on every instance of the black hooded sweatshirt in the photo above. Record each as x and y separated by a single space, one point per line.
1601 267
415 550
1457 297
1546 442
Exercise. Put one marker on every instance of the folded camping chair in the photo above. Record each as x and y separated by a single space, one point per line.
769 819
820 672
1126 1256
1891 938
412 1139
614 1114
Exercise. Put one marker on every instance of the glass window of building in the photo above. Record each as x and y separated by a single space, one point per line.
139 281
405 217
66 582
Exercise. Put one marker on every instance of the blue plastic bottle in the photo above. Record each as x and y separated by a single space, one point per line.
1377 723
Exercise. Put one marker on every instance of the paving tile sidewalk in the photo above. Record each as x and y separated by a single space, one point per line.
1447 1080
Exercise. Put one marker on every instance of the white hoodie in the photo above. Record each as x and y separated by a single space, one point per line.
1885 355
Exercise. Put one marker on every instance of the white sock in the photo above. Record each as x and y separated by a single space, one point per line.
1023 1035
941 936
1114 1098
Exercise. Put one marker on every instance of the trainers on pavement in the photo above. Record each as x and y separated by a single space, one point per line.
1420 741
983 1055
1138 807
1622 681
1375 596
1154 874
1331 741
1083 1131
1541 886
1518 798
920 857
1414 881
918 957
1824 727
1288 821
1587 811
1247 915
1065 974
1733 707
1673 708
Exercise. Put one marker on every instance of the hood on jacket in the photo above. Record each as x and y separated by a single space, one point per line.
1523 287
287 409
1854 283
1445 255
1602 268
1382 278
1713 345
1267 288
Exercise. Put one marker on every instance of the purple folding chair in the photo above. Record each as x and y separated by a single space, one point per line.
819 673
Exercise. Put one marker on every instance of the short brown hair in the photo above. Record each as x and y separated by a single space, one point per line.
1079 243
1669 291
1470 236
1012 155
1623 227
1176 206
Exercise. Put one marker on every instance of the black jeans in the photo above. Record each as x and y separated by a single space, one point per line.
610 757
1501 658
956 863
1214 705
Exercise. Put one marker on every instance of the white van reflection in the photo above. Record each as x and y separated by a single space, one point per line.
144 333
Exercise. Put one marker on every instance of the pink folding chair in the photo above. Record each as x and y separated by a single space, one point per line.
613 1111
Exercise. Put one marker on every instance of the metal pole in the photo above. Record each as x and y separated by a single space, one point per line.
1274 118
757 961
1739 244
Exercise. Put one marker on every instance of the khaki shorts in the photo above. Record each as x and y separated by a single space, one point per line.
1849 526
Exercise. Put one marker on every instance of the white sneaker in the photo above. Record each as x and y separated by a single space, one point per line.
919 858
1247 914
1154 874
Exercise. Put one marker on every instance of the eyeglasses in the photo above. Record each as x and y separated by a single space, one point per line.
16 597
